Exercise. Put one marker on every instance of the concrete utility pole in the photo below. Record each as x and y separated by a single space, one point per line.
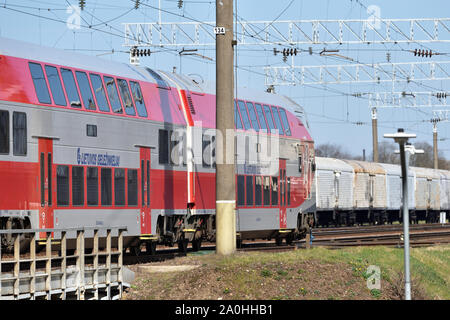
225 171
402 138
435 146
375 134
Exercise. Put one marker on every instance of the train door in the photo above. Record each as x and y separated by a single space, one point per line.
371 189
45 149
145 191
282 192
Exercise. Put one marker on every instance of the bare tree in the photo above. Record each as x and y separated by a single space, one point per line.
330 150
386 152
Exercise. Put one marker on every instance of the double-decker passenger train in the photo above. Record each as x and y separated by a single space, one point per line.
87 142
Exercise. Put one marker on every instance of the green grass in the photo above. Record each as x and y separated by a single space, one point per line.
430 267
317 273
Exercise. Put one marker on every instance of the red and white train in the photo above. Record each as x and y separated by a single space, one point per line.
90 142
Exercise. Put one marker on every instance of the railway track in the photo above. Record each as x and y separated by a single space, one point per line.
391 235
387 235
379 228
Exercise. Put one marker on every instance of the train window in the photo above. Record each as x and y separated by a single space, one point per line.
126 97
163 142
4 132
132 187
277 120
176 153
213 151
106 186
138 99
91 130
244 115
77 186
249 188
142 182
85 89
237 118
39 83
119 187
287 129
62 185
71 88
269 117
205 153
42 176
253 116
262 119
50 178
148 182
92 186
99 92
113 95
241 190
300 164
20 133
288 191
208 151
258 190
274 191
266 191
55 85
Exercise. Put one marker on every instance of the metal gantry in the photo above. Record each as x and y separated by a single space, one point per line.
406 99
357 73
441 115
291 32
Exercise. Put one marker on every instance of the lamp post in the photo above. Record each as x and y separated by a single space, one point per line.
402 138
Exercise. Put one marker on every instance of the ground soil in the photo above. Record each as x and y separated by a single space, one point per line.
252 276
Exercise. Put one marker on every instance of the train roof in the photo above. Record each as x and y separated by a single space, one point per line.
366 167
25 50
391 169
426 172
332 164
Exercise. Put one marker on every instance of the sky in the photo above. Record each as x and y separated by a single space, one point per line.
334 114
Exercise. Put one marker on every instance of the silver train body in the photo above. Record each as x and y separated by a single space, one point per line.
348 192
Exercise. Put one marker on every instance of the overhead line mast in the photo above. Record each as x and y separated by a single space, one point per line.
225 151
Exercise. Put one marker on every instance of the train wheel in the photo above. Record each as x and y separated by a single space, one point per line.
289 239
182 245
196 244
150 247
279 241
136 250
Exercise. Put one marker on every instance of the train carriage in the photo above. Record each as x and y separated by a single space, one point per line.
427 194
333 191
90 142
393 186
369 190
394 190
